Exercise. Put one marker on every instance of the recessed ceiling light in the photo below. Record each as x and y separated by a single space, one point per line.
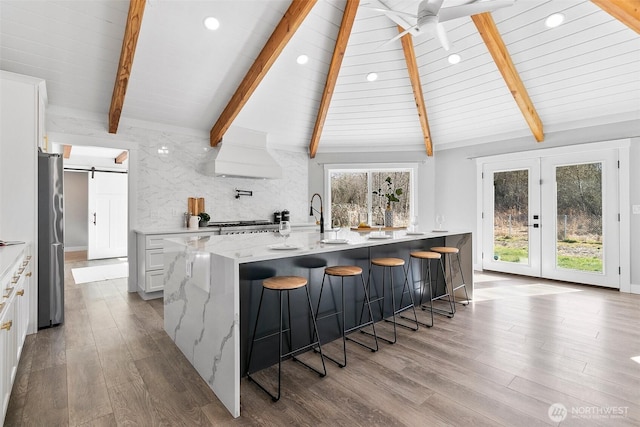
454 58
302 59
211 23
554 20
372 77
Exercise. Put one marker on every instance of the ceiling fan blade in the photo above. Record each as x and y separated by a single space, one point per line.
407 31
454 12
429 7
391 12
442 36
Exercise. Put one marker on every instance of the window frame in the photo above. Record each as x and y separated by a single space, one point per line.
412 168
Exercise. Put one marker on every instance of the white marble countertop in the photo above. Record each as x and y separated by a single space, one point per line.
266 246
8 255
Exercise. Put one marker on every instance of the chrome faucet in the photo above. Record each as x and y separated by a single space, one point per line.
311 209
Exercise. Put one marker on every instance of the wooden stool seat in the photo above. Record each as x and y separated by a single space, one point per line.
284 283
426 255
445 249
343 270
388 262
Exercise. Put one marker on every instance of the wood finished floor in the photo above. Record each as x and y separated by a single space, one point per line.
501 361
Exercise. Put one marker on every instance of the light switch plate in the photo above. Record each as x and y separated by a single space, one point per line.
636 209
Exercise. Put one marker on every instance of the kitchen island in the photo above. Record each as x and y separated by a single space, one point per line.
212 283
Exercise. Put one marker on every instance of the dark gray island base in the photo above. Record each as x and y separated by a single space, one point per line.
213 286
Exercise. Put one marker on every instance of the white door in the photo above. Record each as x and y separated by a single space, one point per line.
511 217
580 212
107 215
554 217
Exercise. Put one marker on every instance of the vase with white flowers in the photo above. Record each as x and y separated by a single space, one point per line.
390 193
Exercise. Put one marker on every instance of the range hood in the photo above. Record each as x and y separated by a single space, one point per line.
243 153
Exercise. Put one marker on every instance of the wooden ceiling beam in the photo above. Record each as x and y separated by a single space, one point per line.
625 11
493 40
348 16
129 42
66 151
122 157
286 28
414 76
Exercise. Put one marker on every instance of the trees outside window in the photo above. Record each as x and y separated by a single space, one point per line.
352 200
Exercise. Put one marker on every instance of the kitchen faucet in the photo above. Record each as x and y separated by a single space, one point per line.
311 209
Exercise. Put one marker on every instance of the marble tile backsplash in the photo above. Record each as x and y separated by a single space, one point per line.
170 167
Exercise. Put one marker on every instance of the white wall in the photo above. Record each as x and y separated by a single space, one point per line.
75 211
456 176
426 176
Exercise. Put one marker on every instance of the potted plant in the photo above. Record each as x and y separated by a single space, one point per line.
391 194
204 219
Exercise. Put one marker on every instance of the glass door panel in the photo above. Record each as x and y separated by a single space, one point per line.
511 216
579 217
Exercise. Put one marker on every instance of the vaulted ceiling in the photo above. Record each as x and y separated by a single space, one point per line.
582 73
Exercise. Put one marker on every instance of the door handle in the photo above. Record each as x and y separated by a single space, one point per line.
534 225
94 218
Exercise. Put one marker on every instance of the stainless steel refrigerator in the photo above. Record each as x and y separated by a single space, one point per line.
50 240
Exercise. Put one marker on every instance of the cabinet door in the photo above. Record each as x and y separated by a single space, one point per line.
154 259
8 352
21 302
154 281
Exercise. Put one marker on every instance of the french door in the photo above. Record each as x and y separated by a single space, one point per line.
555 217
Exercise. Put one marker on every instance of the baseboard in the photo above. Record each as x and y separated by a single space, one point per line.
150 295
635 289
75 248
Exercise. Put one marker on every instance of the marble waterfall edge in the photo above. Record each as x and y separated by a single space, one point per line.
201 315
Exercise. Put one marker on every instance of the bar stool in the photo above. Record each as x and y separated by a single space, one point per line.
426 260
285 284
448 252
388 264
343 271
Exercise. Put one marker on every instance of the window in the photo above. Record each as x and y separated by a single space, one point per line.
350 193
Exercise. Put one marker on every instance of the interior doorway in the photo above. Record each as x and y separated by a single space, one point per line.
96 201
554 216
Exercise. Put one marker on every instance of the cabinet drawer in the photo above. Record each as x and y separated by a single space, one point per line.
155 242
154 259
154 281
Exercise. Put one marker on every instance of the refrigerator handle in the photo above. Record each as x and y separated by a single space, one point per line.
94 218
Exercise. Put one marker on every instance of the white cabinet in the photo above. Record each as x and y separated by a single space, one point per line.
15 283
150 260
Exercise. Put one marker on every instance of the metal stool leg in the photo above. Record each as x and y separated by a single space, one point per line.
462 285
380 300
371 321
281 355
424 283
345 331
447 294
412 305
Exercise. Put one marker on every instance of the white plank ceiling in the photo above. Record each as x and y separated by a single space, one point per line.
583 72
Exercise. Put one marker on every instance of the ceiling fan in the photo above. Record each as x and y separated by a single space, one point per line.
431 14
